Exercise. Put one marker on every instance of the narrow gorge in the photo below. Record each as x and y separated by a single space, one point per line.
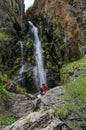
42 42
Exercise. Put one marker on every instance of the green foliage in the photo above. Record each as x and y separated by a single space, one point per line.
79 65
7 121
3 94
30 8
74 96
62 111
29 44
2 36
3 78
73 124
17 61
75 92
49 65
84 117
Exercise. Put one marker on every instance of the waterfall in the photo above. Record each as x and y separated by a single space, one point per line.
22 62
39 71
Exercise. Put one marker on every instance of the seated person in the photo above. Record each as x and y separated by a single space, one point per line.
44 89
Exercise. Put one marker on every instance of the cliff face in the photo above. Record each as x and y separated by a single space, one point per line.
62 25
12 16
12 29
68 20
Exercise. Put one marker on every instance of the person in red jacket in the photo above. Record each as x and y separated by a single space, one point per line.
44 89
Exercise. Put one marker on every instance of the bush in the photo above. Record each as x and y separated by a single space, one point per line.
3 78
74 97
75 92
7 121
71 68
2 36
3 94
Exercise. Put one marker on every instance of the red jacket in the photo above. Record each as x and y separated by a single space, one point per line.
44 89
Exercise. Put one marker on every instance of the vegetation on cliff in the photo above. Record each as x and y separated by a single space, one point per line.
74 87
3 92
2 36
7 121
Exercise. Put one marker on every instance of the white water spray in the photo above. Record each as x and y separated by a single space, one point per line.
22 52
39 71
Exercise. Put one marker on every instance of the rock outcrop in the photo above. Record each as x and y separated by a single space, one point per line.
13 29
20 105
12 13
17 105
52 98
38 121
62 28
24 105
41 113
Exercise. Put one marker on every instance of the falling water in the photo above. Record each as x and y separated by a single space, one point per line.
22 62
39 71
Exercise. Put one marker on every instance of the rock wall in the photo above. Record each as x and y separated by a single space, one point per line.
12 13
62 28
13 27
17 105
63 15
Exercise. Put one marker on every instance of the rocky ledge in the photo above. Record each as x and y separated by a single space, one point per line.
42 120
39 113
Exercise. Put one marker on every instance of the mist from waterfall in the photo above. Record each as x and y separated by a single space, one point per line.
39 71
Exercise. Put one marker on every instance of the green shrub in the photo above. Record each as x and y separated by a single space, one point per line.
74 97
73 124
75 92
7 121
3 78
62 111
2 36
79 65
3 94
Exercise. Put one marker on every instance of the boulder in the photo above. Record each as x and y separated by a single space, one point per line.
42 120
17 105
52 98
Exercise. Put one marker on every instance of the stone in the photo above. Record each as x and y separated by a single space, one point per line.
42 120
18 105
52 98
